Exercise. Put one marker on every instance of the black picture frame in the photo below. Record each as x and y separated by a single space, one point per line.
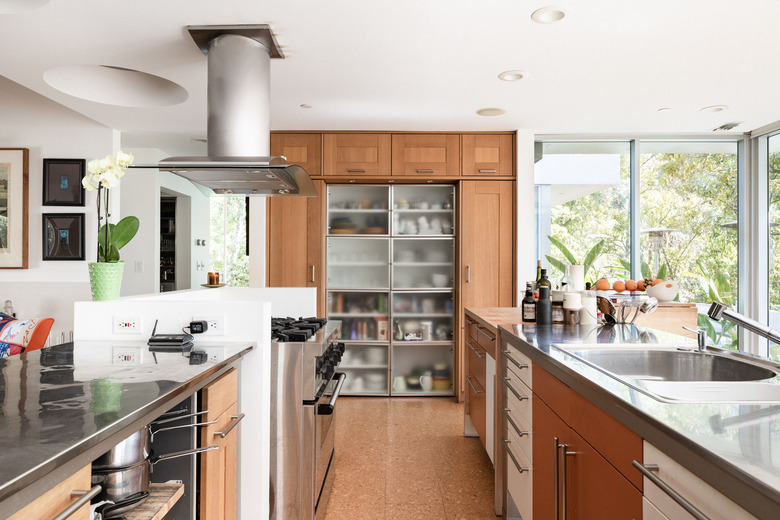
63 236
62 182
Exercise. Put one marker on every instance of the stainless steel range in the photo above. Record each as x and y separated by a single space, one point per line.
305 387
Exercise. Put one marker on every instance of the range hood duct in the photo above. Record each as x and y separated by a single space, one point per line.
239 102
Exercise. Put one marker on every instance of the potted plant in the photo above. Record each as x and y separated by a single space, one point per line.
105 275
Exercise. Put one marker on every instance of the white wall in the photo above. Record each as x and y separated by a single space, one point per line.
526 233
49 130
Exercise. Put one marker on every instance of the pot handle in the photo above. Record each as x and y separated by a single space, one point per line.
184 453
169 428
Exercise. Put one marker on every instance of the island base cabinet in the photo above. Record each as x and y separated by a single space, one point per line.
59 498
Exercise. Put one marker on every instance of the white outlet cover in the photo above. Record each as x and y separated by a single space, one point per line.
127 325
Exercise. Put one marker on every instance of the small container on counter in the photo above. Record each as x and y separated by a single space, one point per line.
572 303
557 307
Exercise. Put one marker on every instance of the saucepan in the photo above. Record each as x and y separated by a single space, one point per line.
136 448
119 484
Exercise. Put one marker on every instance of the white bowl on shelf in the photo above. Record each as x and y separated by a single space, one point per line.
440 280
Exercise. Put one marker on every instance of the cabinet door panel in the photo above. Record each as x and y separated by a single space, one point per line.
426 155
305 150
477 407
356 155
477 362
58 498
546 427
218 473
487 154
557 395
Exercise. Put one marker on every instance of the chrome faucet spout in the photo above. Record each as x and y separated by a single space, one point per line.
720 311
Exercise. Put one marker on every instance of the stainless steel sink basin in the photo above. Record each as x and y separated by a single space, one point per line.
673 365
683 376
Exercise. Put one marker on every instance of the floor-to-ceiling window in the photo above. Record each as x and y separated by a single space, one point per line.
773 231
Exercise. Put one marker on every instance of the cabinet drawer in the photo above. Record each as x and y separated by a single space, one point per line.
220 395
58 498
356 155
477 407
477 363
471 330
519 485
426 155
487 154
554 393
515 387
487 340
518 366
518 425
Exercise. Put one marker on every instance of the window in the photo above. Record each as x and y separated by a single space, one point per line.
228 240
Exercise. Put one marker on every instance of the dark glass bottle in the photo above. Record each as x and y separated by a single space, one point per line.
529 304
543 281
544 306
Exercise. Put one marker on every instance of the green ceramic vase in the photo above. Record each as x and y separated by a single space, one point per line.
105 278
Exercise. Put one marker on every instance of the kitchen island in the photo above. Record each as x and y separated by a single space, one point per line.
64 406
732 447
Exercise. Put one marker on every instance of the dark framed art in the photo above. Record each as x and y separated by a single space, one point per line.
63 236
62 182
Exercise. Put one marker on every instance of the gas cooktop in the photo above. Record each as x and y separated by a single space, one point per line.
292 329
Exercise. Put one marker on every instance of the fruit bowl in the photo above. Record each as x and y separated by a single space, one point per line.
664 291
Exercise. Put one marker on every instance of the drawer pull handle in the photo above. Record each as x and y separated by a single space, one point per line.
84 498
468 378
519 365
236 419
509 452
647 471
514 425
509 386
424 171
470 322
355 171
475 350
488 336
487 171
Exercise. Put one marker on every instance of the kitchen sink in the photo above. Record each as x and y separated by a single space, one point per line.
673 375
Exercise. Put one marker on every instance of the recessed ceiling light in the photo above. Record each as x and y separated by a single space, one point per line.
491 111
715 108
304 105
549 14
512 75
665 109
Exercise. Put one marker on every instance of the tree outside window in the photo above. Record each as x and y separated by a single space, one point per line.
228 240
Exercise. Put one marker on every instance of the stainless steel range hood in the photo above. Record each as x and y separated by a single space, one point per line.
238 161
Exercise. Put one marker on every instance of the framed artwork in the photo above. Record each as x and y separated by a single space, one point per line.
63 236
14 163
62 182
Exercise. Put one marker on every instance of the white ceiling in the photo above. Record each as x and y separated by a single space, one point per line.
607 67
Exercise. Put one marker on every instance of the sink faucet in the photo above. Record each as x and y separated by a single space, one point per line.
719 310
701 337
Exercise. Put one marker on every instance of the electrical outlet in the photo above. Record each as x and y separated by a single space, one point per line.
127 325
214 354
216 324
126 356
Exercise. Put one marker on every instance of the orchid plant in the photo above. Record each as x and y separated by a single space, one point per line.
104 174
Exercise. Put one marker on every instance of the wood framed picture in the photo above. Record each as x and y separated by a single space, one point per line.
14 164
62 182
63 236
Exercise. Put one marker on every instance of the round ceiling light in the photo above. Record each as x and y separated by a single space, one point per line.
512 75
665 109
305 106
549 14
115 86
715 108
491 111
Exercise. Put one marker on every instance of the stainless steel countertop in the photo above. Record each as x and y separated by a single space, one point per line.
743 462
64 406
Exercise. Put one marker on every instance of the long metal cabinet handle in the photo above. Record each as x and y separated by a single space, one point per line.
514 425
313 280
470 322
488 336
511 456
424 171
509 386
468 274
519 365
468 378
327 409
236 419
355 170
556 464
487 171
563 448
475 350
647 471
85 497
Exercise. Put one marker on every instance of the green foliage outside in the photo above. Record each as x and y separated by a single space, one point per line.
228 240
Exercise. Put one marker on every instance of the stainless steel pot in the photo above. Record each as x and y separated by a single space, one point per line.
136 448
118 484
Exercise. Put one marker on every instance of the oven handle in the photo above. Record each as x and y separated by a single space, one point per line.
327 409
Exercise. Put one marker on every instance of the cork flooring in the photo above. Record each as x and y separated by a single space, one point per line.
407 458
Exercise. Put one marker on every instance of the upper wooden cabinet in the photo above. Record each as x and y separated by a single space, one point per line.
487 154
305 150
426 155
351 155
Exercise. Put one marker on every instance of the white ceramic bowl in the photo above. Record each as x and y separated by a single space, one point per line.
664 291
440 280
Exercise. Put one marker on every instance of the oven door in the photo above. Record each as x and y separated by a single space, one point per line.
319 445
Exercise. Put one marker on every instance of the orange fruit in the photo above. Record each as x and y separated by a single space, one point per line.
619 286
631 285
603 285
657 281
640 285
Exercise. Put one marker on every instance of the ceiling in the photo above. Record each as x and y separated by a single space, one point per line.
607 67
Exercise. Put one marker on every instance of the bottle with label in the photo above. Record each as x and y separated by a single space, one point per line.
529 304
557 307
538 274
544 307
543 281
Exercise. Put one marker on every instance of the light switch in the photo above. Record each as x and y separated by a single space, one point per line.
139 266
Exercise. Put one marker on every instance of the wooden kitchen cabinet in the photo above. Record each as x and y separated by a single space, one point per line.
218 471
295 231
356 155
487 154
426 155
305 150
58 498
